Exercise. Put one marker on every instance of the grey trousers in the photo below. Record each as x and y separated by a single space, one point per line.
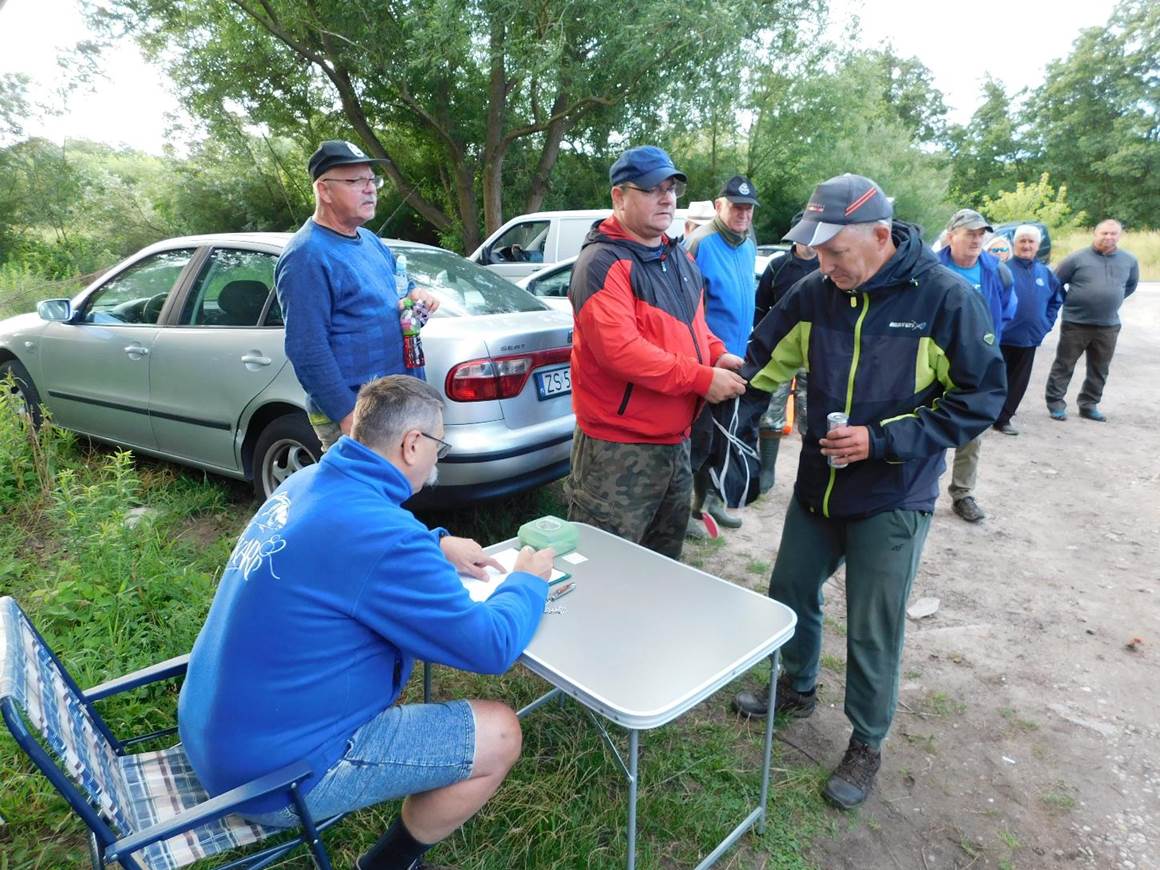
965 470
881 554
1098 344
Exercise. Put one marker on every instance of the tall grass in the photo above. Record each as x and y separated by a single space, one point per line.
1144 244
111 596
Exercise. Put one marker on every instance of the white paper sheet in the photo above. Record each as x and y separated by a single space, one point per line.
481 590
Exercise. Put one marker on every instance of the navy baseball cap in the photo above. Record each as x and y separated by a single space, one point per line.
739 190
336 152
645 166
835 204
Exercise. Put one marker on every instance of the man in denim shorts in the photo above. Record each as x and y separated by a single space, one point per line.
332 592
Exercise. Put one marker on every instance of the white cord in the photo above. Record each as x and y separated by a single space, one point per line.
731 441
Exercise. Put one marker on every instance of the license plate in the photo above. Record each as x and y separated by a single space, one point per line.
554 382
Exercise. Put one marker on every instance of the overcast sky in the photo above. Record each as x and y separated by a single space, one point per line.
959 42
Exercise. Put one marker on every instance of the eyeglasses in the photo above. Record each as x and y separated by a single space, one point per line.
443 449
374 181
676 188
999 250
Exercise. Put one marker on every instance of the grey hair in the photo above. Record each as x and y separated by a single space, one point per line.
1028 230
389 407
867 227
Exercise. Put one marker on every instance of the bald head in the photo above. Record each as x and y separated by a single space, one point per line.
1107 236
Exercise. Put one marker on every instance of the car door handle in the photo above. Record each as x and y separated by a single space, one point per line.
136 351
254 358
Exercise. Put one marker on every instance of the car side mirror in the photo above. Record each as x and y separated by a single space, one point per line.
59 310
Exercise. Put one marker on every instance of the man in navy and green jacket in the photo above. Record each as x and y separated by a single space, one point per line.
907 351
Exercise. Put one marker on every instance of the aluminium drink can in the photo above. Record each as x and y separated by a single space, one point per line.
833 420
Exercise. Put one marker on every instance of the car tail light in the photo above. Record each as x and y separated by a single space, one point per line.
498 377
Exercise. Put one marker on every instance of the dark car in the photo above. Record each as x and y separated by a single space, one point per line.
1008 230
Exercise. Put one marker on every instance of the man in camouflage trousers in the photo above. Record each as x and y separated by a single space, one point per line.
643 362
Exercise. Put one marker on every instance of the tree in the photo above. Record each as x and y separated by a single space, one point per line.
443 91
1038 201
1096 117
14 107
990 153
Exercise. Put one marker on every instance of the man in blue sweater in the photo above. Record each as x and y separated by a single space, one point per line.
964 255
726 255
332 592
337 286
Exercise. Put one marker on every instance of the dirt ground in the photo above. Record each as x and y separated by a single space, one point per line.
1027 732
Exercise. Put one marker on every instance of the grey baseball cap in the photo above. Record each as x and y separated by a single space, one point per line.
835 204
968 219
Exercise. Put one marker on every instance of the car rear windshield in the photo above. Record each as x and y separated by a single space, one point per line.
464 288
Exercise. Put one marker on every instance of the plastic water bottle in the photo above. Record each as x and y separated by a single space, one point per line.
402 279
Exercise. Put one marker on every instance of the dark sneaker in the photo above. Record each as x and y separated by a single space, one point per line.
1057 414
968 509
851 782
1093 414
790 702
1006 428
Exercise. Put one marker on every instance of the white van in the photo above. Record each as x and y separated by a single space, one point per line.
530 242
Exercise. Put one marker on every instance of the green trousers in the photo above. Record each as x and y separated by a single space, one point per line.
881 554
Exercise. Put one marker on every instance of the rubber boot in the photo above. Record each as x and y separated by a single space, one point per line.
768 442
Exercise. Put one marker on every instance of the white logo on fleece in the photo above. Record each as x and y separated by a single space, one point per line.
252 549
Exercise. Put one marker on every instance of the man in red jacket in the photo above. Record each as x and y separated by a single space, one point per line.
643 361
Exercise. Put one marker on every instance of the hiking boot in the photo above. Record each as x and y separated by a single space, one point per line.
790 702
716 509
968 509
1093 413
1007 428
852 780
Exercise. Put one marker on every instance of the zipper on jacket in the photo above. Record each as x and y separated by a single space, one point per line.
624 401
849 388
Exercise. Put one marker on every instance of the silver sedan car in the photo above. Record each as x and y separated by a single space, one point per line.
177 352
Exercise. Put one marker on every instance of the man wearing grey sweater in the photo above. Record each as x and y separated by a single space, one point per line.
1097 280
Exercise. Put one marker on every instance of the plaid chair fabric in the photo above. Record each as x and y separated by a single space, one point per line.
130 792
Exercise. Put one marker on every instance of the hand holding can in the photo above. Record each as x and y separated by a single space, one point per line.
834 420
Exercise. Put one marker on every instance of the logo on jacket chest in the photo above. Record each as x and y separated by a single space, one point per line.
908 324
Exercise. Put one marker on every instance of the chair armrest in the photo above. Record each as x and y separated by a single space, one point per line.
166 670
207 811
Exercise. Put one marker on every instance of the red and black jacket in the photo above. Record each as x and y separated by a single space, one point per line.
642 353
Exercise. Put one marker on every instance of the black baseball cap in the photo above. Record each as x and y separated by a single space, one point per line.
739 190
336 152
645 166
835 204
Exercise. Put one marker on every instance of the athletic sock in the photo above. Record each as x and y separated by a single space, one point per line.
397 849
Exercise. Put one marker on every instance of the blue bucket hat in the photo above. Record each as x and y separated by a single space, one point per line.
645 166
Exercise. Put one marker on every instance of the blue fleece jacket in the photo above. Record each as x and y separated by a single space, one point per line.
999 294
341 311
729 285
1040 296
331 593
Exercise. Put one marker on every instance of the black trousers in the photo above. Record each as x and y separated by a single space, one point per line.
1098 344
1019 361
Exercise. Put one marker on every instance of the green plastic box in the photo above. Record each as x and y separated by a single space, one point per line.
552 532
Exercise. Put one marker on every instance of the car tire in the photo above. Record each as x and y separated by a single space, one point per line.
287 444
21 387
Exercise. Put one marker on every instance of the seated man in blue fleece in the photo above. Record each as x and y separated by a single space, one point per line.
332 592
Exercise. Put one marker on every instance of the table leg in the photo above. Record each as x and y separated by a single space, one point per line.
773 664
426 682
632 778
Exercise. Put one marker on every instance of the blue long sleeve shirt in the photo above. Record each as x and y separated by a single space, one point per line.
996 288
1040 296
332 592
730 285
341 312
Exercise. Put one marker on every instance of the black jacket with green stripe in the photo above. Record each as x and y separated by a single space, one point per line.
911 355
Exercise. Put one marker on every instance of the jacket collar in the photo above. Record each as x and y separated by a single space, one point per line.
610 230
360 463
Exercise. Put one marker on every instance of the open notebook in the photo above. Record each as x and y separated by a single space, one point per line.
480 590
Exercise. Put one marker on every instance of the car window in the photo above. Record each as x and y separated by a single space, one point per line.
232 289
572 233
523 243
463 287
554 284
137 295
